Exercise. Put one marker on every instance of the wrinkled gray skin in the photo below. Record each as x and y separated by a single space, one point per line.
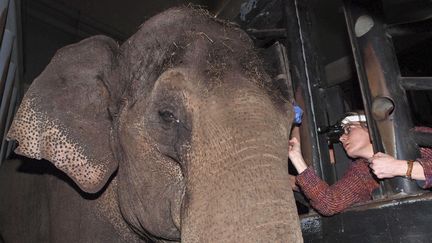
178 132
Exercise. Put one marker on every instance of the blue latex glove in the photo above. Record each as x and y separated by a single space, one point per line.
298 114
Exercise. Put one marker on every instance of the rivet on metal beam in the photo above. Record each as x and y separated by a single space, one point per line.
382 108
363 24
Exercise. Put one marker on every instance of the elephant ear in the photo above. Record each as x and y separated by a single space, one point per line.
64 115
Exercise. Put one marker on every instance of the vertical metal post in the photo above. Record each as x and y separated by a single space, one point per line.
385 101
306 76
10 68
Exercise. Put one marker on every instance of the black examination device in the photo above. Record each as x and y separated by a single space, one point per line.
333 132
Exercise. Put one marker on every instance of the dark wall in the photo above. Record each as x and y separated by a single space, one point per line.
41 41
47 26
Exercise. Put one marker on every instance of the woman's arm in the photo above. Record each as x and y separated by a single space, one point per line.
426 163
295 155
355 186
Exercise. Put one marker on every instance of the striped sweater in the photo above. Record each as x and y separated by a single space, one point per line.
355 186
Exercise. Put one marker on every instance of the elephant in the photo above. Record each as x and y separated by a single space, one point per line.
178 134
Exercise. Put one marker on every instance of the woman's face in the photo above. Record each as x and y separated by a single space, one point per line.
356 141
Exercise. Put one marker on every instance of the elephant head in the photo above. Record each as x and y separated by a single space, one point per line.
185 114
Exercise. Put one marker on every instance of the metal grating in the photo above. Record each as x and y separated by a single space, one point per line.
9 70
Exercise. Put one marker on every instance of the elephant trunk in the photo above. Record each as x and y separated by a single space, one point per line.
238 191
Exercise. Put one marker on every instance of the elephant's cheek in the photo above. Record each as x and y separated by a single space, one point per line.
151 186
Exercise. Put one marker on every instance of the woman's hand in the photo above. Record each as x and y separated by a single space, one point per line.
295 155
294 149
386 166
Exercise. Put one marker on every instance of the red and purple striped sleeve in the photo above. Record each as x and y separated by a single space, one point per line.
355 186
425 160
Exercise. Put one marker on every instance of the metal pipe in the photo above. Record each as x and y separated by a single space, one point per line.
6 146
4 6
377 71
416 83
422 138
410 28
267 33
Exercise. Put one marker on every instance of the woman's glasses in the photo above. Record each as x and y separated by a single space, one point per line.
347 128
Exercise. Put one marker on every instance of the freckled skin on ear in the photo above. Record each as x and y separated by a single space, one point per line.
55 145
64 117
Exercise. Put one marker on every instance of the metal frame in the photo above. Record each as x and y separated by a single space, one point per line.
10 68
307 75
383 88
384 94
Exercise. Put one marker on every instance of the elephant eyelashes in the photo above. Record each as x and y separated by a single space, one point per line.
168 117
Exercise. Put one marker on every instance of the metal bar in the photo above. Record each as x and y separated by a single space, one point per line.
377 71
284 67
278 69
361 74
267 33
5 106
422 139
11 67
339 71
6 96
410 28
11 73
11 145
305 77
362 77
227 9
5 55
416 83
4 7
6 145
389 217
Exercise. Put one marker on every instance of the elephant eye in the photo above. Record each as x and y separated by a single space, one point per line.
167 116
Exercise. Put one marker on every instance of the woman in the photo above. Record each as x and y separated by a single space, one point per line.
357 183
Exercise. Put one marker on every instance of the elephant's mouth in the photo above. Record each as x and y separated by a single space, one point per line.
175 157
171 156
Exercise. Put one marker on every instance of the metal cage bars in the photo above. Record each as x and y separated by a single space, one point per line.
9 69
383 87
